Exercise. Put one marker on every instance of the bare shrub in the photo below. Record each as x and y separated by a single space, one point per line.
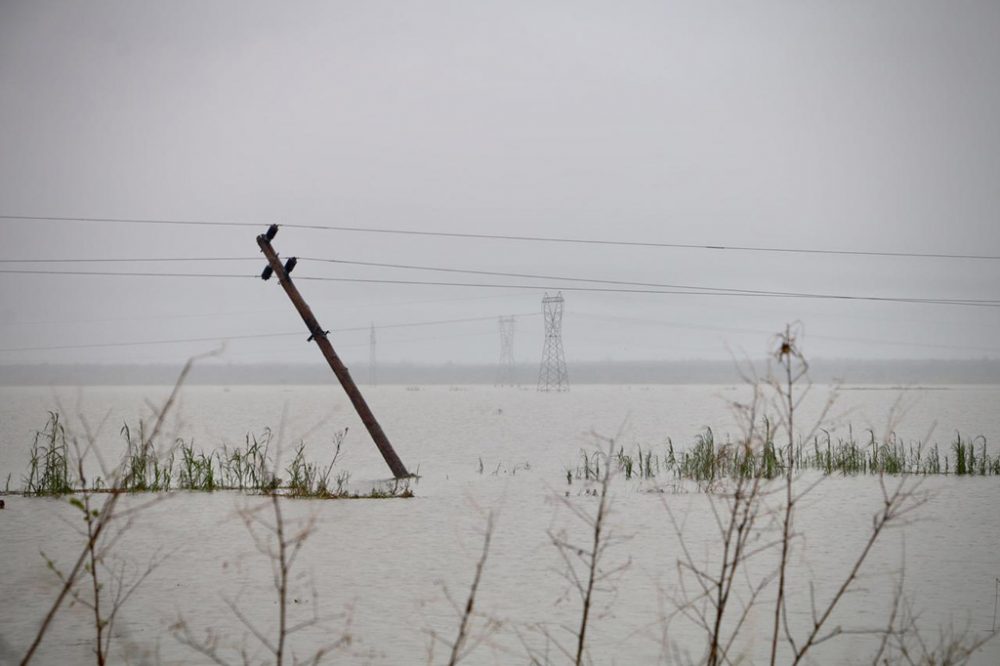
755 521
103 529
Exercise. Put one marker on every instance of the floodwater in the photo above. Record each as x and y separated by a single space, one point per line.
393 575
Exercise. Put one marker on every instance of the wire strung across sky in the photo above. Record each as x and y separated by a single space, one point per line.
614 286
533 276
714 291
223 338
612 318
240 313
760 331
658 289
518 238
28 271
678 292
111 260
657 285
137 343
355 345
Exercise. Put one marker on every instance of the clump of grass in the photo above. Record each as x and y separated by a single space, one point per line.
248 468
398 488
709 460
197 470
625 463
704 460
641 465
49 469
590 468
142 469
966 461
306 479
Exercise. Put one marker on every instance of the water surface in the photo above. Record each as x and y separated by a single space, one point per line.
382 570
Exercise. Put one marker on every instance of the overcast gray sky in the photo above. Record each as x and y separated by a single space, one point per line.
868 126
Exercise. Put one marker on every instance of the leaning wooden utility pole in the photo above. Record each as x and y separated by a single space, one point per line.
317 333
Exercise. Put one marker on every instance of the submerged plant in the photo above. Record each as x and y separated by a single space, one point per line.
49 470
708 460
142 469
197 470
306 479
248 467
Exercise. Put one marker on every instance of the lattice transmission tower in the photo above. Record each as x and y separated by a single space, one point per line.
505 369
552 375
372 375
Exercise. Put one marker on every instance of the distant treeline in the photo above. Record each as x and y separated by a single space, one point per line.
901 372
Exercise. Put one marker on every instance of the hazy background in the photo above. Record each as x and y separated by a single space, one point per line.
865 126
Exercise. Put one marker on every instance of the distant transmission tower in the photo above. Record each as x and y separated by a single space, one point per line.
552 374
372 377
505 371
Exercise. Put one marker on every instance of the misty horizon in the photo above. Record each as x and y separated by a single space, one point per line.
898 373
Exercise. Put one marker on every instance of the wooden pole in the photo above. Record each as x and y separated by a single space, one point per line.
317 333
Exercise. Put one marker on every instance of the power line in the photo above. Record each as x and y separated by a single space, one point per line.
669 291
398 341
534 276
491 318
401 341
670 324
130 220
126 273
758 331
883 299
243 313
369 264
255 336
523 238
227 338
110 260
431 323
654 244
108 320
217 338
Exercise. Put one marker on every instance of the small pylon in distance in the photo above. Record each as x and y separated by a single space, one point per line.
505 369
372 374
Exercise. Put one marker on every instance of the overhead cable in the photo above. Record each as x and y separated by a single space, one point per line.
525 238
758 331
617 290
885 299
109 260
260 335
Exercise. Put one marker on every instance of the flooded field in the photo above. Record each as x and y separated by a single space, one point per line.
387 579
